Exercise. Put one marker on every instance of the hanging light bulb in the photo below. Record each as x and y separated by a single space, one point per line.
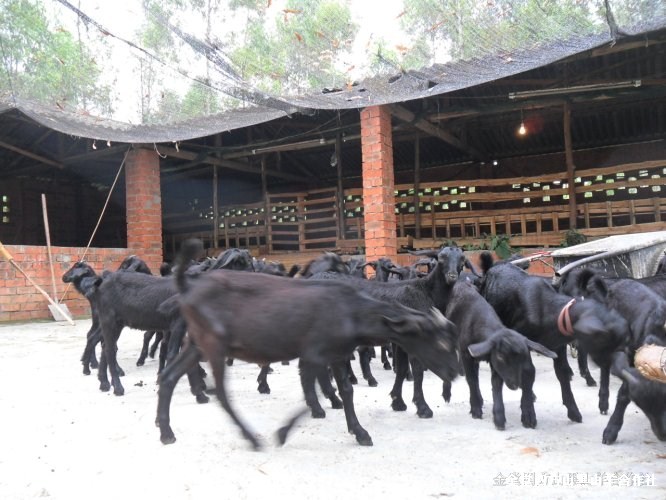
522 130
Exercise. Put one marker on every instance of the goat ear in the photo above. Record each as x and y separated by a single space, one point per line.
480 349
620 368
589 325
536 347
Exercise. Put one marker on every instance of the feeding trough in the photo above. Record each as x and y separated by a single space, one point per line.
621 256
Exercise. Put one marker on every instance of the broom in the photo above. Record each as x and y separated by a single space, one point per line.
6 255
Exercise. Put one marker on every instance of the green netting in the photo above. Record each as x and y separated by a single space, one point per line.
160 70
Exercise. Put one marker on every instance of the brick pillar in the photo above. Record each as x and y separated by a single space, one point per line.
378 183
144 206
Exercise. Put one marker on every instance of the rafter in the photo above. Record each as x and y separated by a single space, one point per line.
424 125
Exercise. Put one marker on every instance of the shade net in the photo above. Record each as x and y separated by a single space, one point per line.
169 70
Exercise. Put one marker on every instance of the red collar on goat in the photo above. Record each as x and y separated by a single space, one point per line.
564 320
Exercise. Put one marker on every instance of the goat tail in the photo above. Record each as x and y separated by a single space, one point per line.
486 260
189 250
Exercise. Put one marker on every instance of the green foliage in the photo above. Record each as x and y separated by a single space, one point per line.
45 62
500 244
573 237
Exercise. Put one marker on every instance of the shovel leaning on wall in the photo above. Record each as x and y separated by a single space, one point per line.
7 256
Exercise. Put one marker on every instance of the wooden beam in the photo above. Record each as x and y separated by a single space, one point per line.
422 124
32 156
96 153
233 165
571 168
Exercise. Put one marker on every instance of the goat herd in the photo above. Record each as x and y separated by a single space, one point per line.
440 314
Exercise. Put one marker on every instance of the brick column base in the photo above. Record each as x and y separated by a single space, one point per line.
378 183
144 206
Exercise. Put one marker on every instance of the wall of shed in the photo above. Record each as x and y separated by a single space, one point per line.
20 301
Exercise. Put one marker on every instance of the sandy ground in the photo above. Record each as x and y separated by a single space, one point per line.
60 437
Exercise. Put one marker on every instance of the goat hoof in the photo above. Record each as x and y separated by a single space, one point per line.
363 438
168 438
317 413
575 416
263 388
529 421
478 414
591 382
94 365
202 398
609 436
398 405
282 434
500 426
353 380
140 362
119 392
336 404
372 382
424 412
387 366
104 387
603 412
86 371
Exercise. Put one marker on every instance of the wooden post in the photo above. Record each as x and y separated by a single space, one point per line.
571 168
340 211
417 181
216 201
267 211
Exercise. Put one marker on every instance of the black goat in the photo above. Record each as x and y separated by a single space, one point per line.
532 307
648 395
421 294
236 314
121 299
646 313
484 337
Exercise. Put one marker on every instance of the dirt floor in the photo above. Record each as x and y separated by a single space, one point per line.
62 438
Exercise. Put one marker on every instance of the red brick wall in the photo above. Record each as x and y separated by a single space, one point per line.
378 183
144 206
20 301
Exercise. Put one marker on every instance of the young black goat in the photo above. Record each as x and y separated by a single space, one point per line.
121 299
236 314
533 307
483 337
422 294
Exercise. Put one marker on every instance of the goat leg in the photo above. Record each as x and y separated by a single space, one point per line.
364 355
422 408
527 413
262 380
153 348
167 381
617 418
604 389
219 365
472 377
400 365
347 394
328 389
144 348
499 416
308 374
563 373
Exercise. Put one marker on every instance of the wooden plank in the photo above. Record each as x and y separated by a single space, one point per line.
656 203
523 224
632 213
609 214
587 214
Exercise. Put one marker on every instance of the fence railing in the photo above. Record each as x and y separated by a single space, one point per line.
532 211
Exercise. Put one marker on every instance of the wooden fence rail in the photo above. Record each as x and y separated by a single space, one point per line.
533 211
